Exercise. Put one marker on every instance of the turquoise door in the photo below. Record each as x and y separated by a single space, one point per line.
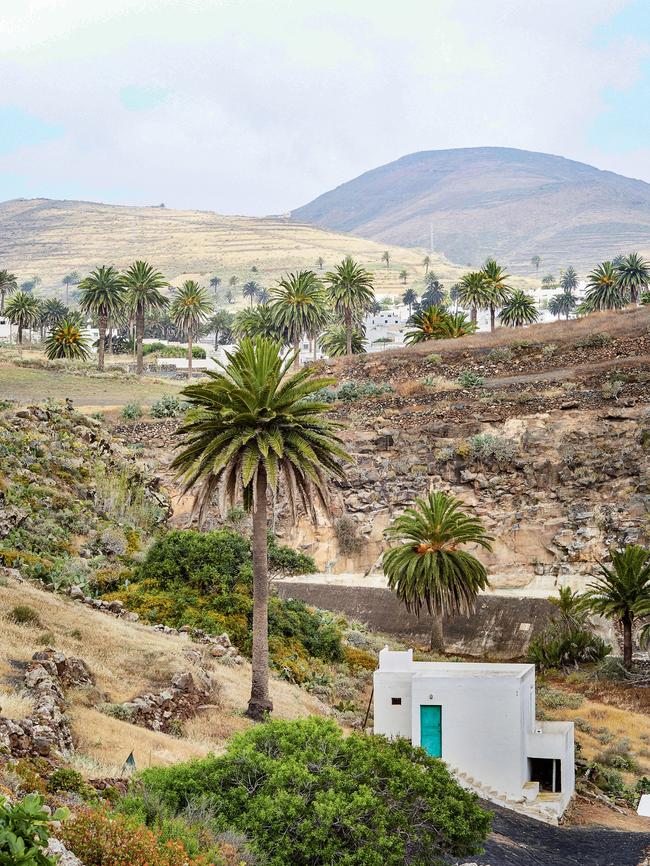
431 730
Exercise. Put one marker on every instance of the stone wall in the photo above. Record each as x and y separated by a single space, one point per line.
500 628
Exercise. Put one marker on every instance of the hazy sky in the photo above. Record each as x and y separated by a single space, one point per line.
257 106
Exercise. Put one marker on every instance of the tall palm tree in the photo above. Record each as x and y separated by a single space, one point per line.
473 293
536 261
257 322
603 290
320 262
350 290
70 279
563 304
633 276
498 289
102 295
233 281
549 282
66 340
434 291
220 323
569 279
253 426
54 311
519 309
8 284
554 306
334 342
385 257
299 306
403 275
22 311
409 298
215 282
250 290
190 308
263 296
428 568
426 261
143 283
622 591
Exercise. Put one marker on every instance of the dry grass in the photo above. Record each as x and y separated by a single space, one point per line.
126 660
14 705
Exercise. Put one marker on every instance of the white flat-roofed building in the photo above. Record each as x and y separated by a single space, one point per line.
480 720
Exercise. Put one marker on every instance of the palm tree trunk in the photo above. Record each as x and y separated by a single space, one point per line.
634 295
100 345
437 635
189 354
474 315
492 314
627 641
296 349
348 333
216 339
109 325
2 302
260 703
139 334
20 333
315 347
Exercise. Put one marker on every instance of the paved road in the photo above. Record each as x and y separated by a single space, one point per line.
519 841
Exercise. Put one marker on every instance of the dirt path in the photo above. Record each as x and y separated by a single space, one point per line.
519 841
570 372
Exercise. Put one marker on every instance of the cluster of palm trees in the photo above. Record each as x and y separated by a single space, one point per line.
328 311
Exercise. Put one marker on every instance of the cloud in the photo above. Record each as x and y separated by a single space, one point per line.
252 106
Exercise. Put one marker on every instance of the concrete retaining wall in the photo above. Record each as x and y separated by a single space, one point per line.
501 627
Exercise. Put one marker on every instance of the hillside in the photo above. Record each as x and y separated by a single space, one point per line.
483 201
51 238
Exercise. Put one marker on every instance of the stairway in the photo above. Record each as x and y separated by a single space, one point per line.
532 803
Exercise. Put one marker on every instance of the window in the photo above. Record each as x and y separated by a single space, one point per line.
396 702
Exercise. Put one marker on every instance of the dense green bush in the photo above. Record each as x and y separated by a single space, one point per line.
131 411
469 379
306 795
24 832
168 406
485 446
23 614
171 351
564 645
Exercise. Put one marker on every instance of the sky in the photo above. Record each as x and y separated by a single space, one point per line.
258 106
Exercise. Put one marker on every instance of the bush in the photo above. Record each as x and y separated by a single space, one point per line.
24 832
305 794
555 699
594 341
484 446
22 614
500 354
132 411
172 351
168 406
346 530
67 779
469 379
434 359
358 658
353 390
565 645
100 838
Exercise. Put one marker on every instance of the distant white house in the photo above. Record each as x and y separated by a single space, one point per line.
480 720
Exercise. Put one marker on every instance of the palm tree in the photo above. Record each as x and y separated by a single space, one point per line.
427 568
385 257
190 308
548 282
434 291
250 290
569 279
257 322
472 293
102 295
66 340
426 324
562 304
536 261
143 295
426 261
603 290
220 323
350 290
409 298
622 592
8 285
554 306
498 289
334 342
320 262
520 309
233 281
215 282
633 276
455 325
299 306
70 279
263 296
253 426
403 275
22 310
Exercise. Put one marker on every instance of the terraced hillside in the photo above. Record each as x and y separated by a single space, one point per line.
51 238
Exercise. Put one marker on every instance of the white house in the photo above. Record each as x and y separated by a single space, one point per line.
480 719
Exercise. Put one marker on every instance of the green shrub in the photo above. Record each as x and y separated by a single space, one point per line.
353 390
485 446
469 379
500 354
172 351
554 699
549 350
434 359
66 779
594 341
168 406
24 832
346 530
22 614
565 645
303 793
132 411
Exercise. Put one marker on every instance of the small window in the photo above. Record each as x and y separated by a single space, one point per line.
396 702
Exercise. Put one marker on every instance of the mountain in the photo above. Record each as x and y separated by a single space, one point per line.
482 201
50 238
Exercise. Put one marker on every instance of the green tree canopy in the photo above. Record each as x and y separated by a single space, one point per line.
519 309
102 294
351 293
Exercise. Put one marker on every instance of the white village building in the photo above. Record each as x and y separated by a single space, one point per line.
480 720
